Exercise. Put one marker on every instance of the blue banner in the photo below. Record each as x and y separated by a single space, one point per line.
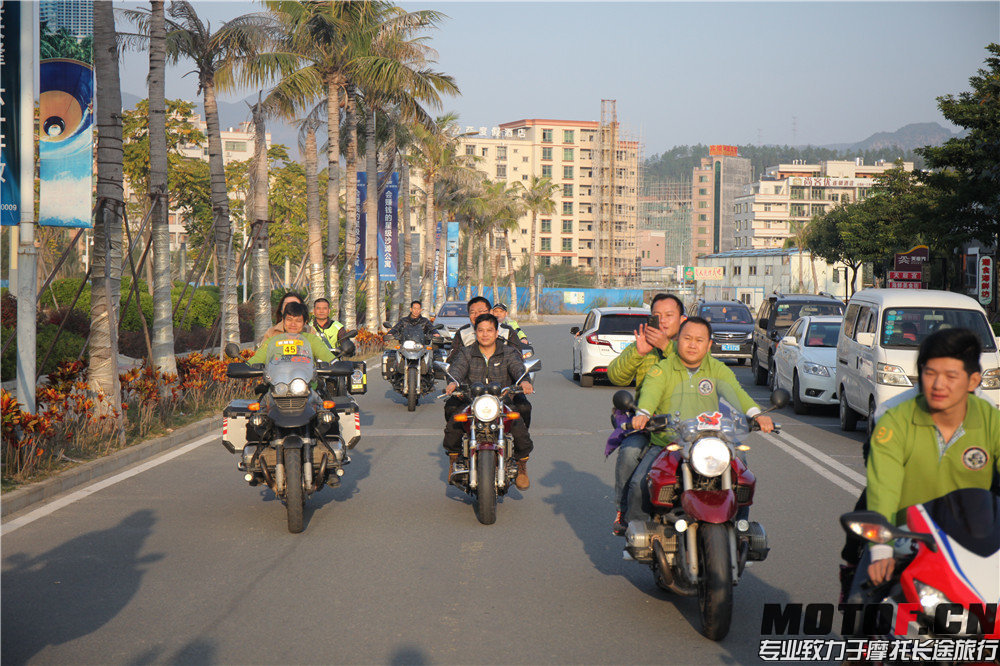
10 111
360 217
388 228
452 254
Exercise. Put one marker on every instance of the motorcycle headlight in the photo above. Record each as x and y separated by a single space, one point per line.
412 345
991 379
710 456
298 386
280 389
815 369
930 597
486 408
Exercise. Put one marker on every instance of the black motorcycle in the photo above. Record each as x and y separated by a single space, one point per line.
408 364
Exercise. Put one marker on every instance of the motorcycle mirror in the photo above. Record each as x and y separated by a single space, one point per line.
623 400
438 327
351 333
347 347
574 330
387 324
232 350
532 365
780 397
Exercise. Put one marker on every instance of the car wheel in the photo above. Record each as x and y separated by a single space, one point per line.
772 375
576 375
586 381
848 417
760 374
741 361
798 406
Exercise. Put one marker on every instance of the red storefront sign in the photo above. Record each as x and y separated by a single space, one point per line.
905 284
906 275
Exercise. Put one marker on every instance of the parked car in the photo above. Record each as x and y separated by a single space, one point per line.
805 362
878 343
454 315
605 333
776 314
732 328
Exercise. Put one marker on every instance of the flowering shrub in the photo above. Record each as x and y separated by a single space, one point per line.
368 343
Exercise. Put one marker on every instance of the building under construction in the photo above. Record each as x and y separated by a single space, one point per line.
615 195
666 206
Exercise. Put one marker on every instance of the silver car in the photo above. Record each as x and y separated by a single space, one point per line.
454 315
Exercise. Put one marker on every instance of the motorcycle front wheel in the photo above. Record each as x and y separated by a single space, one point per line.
294 497
715 584
486 492
411 388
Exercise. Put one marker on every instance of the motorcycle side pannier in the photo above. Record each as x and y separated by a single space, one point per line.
235 419
359 379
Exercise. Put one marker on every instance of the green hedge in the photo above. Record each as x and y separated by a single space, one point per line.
68 348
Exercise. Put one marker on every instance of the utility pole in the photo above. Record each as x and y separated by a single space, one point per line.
27 254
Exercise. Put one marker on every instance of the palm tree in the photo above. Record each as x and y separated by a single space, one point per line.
259 187
107 260
537 198
307 144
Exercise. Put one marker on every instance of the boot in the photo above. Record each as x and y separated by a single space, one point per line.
521 481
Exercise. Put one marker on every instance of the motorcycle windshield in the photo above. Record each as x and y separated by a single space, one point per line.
970 517
414 332
723 416
289 357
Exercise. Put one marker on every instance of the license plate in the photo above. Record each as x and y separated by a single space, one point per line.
620 346
730 347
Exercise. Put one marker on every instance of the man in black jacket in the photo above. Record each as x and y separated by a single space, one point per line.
466 336
490 359
408 328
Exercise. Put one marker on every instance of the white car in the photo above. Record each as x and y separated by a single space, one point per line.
605 333
805 361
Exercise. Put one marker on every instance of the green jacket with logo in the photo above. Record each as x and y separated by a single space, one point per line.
632 366
319 349
669 387
905 466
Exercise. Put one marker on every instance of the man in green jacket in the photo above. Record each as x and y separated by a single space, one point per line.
944 439
294 320
651 345
689 381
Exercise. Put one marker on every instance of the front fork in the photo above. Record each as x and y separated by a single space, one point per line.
691 535
471 453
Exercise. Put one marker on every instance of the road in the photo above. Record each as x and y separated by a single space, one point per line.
179 561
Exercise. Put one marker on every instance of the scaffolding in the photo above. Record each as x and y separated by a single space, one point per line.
616 167
666 206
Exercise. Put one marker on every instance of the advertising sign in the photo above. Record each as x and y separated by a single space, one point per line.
388 228
689 273
10 111
985 287
452 254
913 258
905 284
66 118
906 275
709 272
725 151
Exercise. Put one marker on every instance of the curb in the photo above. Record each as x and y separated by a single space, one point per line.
22 498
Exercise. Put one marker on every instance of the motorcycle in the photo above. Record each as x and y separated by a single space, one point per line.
409 365
485 445
949 556
693 538
291 438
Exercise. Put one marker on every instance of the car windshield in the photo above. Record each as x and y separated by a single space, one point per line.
823 334
453 310
789 312
621 324
907 327
726 314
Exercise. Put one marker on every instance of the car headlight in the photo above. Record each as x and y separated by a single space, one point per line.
991 379
750 335
930 597
298 386
815 369
710 456
486 408
892 375
412 345
280 389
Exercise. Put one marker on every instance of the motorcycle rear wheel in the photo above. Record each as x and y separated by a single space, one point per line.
486 492
411 389
715 585
294 497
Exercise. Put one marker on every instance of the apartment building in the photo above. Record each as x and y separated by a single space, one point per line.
666 207
715 184
788 196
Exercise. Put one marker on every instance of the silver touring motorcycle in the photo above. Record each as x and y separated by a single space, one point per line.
292 438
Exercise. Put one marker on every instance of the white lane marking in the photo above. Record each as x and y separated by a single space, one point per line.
825 459
436 432
75 496
815 466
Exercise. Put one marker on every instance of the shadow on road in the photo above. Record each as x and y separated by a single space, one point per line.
405 656
73 589
195 653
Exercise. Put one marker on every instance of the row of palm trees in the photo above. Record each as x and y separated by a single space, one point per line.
361 68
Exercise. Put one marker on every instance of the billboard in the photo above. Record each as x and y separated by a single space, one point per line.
452 254
388 227
10 111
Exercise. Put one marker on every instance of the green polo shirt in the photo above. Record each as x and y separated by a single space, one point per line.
906 465
320 351
632 366
670 387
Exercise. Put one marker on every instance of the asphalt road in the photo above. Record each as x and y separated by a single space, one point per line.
179 561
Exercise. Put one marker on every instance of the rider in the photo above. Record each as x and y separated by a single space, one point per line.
944 439
329 330
465 336
651 345
500 312
293 324
414 321
278 327
689 382
489 360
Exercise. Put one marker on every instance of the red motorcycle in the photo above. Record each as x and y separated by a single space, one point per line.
693 538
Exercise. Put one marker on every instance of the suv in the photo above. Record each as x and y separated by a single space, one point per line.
777 313
732 328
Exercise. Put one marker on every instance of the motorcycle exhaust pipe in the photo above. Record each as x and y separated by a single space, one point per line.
666 572
267 477
322 472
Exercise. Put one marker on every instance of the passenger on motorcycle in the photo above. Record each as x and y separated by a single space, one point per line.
466 336
500 312
944 439
689 382
651 346
279 327
419 327
490 359
330 331
293 324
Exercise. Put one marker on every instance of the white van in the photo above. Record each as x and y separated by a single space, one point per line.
878 343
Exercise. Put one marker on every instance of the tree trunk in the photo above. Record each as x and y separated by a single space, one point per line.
224 252
333 192
510 275
406 275
316 287
482 268
107 256
163 320
532 282
260 187
351 198
373 315
427 256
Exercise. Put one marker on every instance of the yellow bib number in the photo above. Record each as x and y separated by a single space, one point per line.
289 347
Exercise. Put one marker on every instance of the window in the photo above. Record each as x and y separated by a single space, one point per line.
702 243
767 270
752 270
546 261
567 227
546 226
501 152
567 208
567 189
702 179
524 177
817 209
236 146
547 153
567 261
567 136
702 217
907 327
501 171
797 210
524 159
737 270
546 245
702 204
547 135
470 149
702 230
797 193
485 152
567 172
546 171
702 191
567 154
567 244
524 232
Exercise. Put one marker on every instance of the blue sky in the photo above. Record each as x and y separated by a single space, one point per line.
683 73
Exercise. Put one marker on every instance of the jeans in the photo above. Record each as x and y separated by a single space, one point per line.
638 505
629 455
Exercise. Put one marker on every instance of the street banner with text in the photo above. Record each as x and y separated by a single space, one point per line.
10 111
388 227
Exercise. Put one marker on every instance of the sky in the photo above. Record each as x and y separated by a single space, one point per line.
685 73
